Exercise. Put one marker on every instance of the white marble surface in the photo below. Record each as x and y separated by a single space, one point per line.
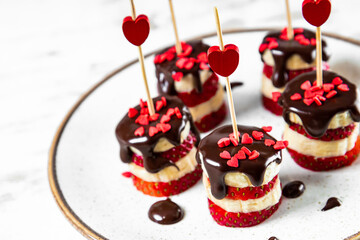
52 51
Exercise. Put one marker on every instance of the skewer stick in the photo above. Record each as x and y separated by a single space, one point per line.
228 86
142 64
290 31
178 43
319 74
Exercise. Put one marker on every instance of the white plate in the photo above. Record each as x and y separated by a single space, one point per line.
85 169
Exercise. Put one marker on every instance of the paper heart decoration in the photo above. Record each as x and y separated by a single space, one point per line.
223 62
136 31
316 12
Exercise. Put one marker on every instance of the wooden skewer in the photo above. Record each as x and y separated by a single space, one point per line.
228 86
319 74
178 43
142 64
290 31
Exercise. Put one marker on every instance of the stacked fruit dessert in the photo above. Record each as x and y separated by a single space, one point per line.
188 76
241 178
322 122
285 59
160 148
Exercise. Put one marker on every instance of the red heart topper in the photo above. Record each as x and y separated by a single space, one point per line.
136 32
316 12
223 62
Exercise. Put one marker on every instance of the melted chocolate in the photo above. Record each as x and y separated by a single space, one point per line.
153 162
331 203
217 167
288 48
316 119
165 212
273 238
293 189
164 70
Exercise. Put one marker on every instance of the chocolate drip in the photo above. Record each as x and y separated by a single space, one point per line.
217 167
165 212
293 189
164 70
331 203
316 119
153 162
288 48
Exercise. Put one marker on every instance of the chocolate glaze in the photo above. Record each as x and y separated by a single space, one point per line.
164 70
273 238
316 119
153 162
217 167
165 212
331 203
293 189
288 48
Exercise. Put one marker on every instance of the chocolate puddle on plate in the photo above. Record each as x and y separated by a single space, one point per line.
331 203
165 212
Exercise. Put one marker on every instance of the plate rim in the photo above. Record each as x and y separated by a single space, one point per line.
65 208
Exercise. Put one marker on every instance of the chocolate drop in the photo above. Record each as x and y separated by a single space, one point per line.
331 203
273 238
293 189
165 212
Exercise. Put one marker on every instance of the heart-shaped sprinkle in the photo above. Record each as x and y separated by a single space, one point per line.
263 47
305 85
154 117
231 135
269 142
304 42
257 135
223 142
298 37
317 101
186 50
234 141
308 101
331 94
139 132
276 96
136 32
164 127
246 150
309 94
316 12
163 99
202 57
204 66
233 162
337 81
315 88
319 93
343 87
328 87
267 128
225 155
170 112
313 41
132 112
144 111
273 45
143 104
165 119
178 113
280 145
321 98
240 155
246 139
223 62
159 105
298 30
153 131
177 76
295 97
254 154
142 120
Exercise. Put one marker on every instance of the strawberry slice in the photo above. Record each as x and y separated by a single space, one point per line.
272 106
211 120
330 134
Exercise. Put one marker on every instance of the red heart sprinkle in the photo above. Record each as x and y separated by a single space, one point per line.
153 131
189 64
144 111
204 66
170 112
164 119
143 104
299 37
337 81
180 63
132 112
298 30
177 76
308 101
267 128
234 141
164 127
254 154
186 50
284 37
309 94
313 41
223 62
273 45
319 93
317 101
269 142
225 155
169 56
246 150
233 162
257 135
246 139
316 12
321 98
295 97
223 142
240 155
178 113
343 87
154 117
136 32
331 94
159 105
276 96
304 42
270 39
231 135
279 145
306 85
142 120
202 57
163 99
139 132
263 47
328 87
315 83
315 88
